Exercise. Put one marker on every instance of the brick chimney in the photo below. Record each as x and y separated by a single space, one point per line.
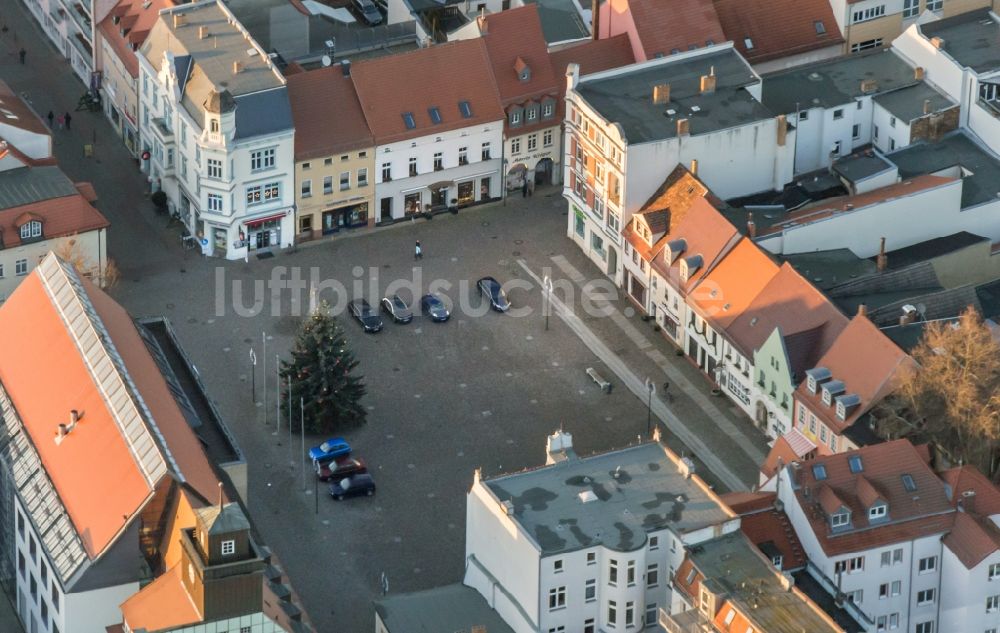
179 20
937 42
862 310
918 73
237 67
661 93
595 18
202 32
708 82
694 167
751 225
683 127
481 22
882 260
927 106
782 128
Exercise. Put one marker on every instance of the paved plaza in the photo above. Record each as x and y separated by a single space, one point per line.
480 391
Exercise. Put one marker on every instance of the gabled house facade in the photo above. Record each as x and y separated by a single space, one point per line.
216 131
438 128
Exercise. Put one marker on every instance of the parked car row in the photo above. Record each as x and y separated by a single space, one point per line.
431 306
347 475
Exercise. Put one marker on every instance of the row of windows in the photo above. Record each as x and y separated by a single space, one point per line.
36 588
515 143
345 182
438 162
530 114
329 160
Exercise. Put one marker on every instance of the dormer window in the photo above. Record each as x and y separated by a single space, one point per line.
831 389
522 69
877 512
31 230
841 518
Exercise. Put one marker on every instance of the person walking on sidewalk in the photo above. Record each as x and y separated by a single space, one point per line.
22 53
68 119
418 252
61 120
524 188
51 117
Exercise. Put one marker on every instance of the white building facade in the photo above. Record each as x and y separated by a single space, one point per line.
70 27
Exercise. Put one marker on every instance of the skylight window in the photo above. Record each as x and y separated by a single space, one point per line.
748 43
908 483
408 120
820 27
435 115
819 472
854 461
466 109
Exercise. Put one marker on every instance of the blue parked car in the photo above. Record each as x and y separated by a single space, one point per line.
432 306
490 289
329 450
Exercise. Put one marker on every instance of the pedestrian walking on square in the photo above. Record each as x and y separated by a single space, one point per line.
524 189
50 117
22 53
61 120
418 252
68 119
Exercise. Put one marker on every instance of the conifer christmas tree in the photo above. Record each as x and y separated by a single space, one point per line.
321 371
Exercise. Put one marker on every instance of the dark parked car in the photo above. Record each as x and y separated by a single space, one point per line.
397 309
339 468
432 306
368 11
490 288
362 311
329 450
359 484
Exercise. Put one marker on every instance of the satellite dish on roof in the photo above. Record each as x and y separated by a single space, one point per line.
326 60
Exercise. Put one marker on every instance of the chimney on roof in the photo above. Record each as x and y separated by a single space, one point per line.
927 106
937 42
968 501
220 496
881 261
708 82
782 127
683 127
345 67
869 85
862 310
918 73
661 94
179 20
751 226
909 315
202 32
685 466
481 21
64 429
237 67
595 18
694 167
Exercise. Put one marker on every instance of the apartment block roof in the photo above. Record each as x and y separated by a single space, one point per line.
897 473
127 25
321 130
441 77
612 499
449 608
835 82
750 588
625 97
592 56
726 292
71 347
514 42
969 38
778 28
980 167
790 303
907 104
670 27
866 361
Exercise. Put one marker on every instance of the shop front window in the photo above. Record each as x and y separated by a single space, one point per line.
411 203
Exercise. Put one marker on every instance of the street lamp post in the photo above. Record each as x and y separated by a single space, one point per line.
650 389
547 299
253 376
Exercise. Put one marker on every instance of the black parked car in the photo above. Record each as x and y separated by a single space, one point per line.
362 311
397 309
368 11
432 305
490 288
353 486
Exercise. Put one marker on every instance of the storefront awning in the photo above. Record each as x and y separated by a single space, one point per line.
444 184
259 221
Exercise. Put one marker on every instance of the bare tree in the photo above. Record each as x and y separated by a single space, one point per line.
70 251
951 397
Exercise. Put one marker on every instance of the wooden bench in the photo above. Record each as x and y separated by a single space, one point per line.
601 382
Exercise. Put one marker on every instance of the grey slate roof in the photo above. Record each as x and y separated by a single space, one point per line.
263 113
941 304
826 269
648 494
929 249
978 186
560 20
626 97
229 519
861 164
972 39
440 610
834 82
33 184
907 104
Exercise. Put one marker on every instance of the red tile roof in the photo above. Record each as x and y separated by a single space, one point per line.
791 303
777 28
593 56
138 16
440 76
163 604
664 26
924 511
727 290
962 479
514 41
60 217
866 361
793 446
772 527
848 204
25 118
321 130
972 539
706 233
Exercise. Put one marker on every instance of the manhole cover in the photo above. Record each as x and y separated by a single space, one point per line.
386 266
183 270
247 340
519 242
493 237
486 223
